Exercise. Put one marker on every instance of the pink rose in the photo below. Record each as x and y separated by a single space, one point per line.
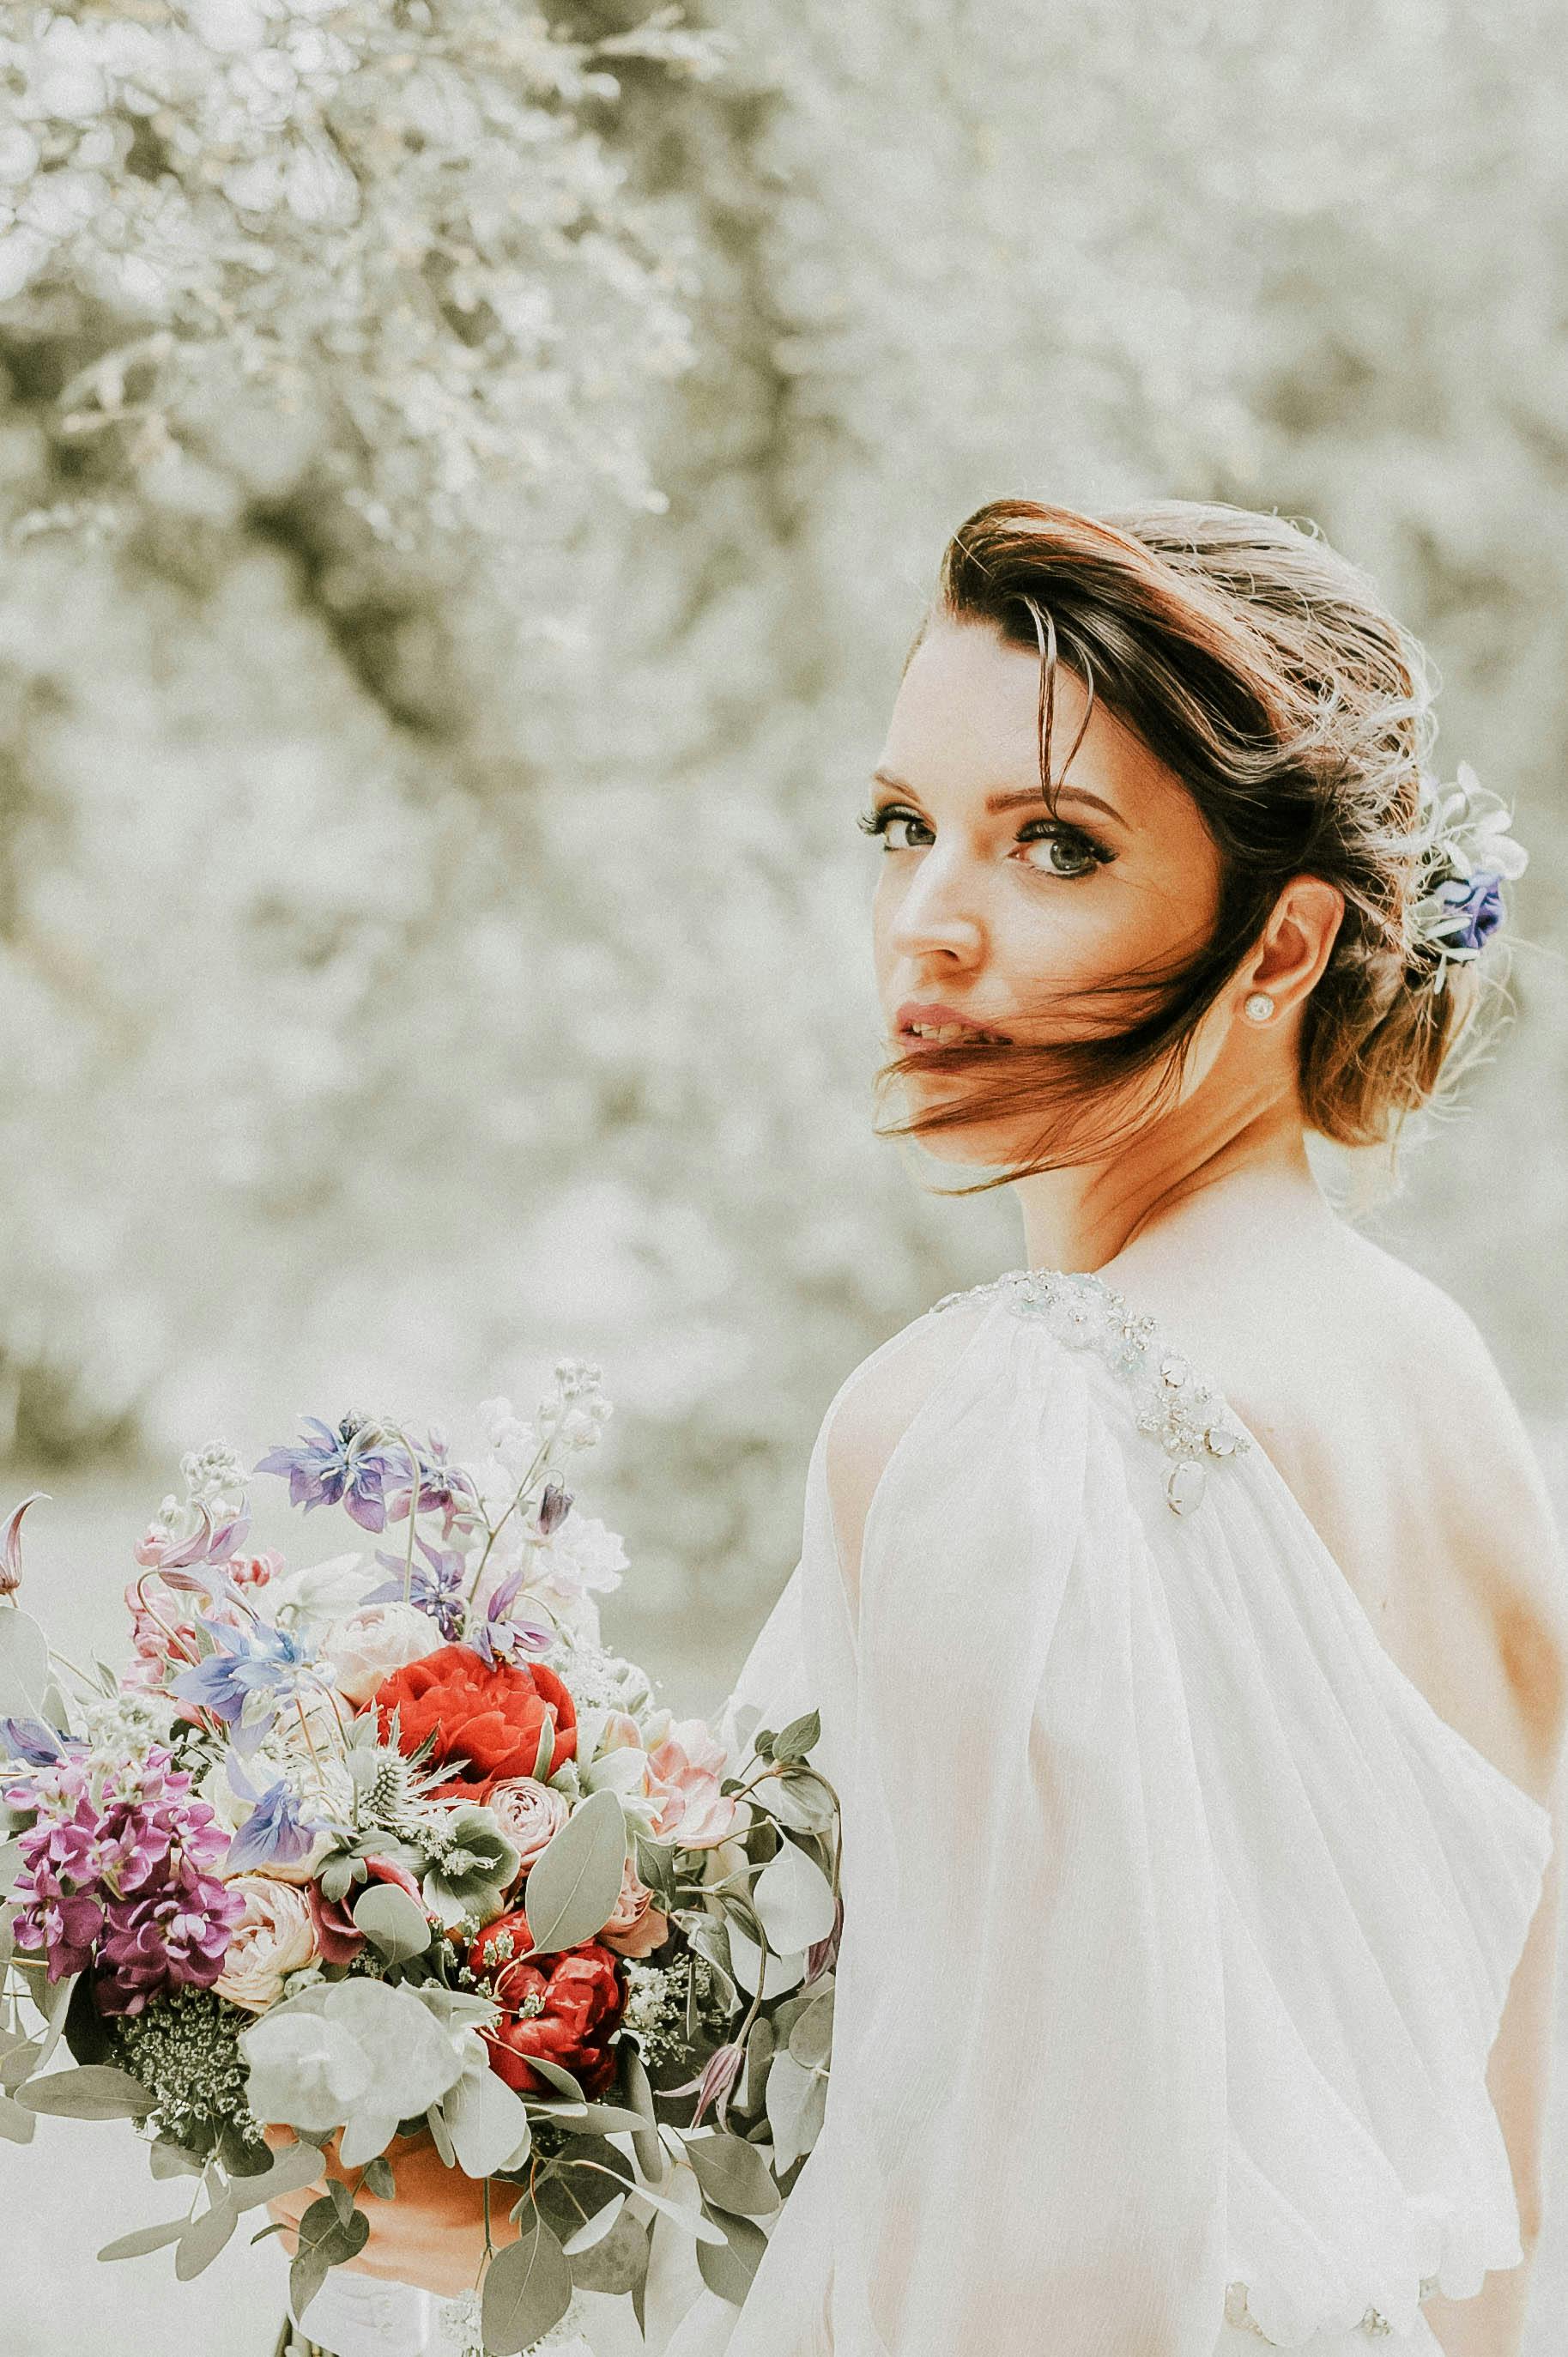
531 1814
688 1767
636 1927
274 1936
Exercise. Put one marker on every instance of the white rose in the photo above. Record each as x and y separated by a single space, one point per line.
369 1644
273 1937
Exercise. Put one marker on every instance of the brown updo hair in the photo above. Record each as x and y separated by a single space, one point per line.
1263 670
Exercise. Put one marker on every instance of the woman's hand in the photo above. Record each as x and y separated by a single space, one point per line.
433 2234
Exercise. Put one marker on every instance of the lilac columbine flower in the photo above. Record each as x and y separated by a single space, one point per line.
443 1488
498 1637
30 1739
275 1832
435 1585
336 1465
247 1679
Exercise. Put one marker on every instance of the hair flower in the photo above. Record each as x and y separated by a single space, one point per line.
1465 851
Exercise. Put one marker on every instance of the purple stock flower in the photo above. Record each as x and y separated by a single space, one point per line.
1477 902
434 1586
336 1465
262 1664
115 1875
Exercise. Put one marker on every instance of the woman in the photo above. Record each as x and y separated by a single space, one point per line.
1185 1610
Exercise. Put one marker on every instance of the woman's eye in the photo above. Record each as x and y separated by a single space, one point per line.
894 826
1067 852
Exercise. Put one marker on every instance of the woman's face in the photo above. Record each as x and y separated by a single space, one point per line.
990 913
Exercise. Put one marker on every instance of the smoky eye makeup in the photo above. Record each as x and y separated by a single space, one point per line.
1074 851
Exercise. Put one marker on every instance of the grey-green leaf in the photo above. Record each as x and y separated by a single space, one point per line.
16 2125
527 2288
203 2239
729 2267
167 2159
616 2260
733 2174
393 1922
378 2179
24 1665
793 1901
146 2238
95 2091
645 2140
296 2167
574 1885
795 1740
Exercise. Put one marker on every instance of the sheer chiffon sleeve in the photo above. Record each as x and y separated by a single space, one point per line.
1024 2140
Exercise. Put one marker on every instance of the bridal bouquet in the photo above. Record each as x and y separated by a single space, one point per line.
388 1846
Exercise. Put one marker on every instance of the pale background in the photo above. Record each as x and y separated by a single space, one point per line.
466 500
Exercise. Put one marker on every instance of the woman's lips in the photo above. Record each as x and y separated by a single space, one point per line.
930 1023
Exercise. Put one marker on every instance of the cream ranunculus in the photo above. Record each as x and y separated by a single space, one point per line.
531 1812
370 1644
275 1937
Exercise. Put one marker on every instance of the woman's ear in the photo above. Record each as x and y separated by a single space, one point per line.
1296 942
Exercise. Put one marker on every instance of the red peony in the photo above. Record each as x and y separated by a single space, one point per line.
489 1719
564 2007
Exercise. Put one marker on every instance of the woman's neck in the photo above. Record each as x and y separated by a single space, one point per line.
1187 1179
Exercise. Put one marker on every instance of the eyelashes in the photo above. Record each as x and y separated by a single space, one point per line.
1081 853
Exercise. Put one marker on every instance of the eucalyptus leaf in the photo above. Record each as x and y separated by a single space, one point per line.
441 2136
296 2167
393 1923
780 1973
728 2270
593 2230
812 2038
94 2092
733 2174
18 2059
603 2119
790 2085
558 2076
144 2239
486 2122
10 1864
527 2288
324 2241
575 1883
645 2141
203 2239
793 1902
24 1665
617 2259
166 2158
342 2200
378 2179
16 2125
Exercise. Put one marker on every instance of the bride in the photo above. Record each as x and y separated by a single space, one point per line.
1183 1608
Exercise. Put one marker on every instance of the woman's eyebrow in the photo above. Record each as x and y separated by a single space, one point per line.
1024 798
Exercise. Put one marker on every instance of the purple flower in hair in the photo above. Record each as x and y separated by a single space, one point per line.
1477 905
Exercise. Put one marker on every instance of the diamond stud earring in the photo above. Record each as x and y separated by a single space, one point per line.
1259 1007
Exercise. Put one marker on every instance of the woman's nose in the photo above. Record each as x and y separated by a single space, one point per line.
937 911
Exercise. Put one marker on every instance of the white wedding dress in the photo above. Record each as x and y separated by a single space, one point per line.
1179 1924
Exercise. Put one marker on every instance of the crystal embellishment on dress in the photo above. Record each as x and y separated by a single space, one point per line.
1171 1400
1374 2323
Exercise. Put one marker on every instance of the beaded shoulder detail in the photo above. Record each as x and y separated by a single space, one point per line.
1172 1401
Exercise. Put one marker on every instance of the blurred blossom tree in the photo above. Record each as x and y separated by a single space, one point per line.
473 481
